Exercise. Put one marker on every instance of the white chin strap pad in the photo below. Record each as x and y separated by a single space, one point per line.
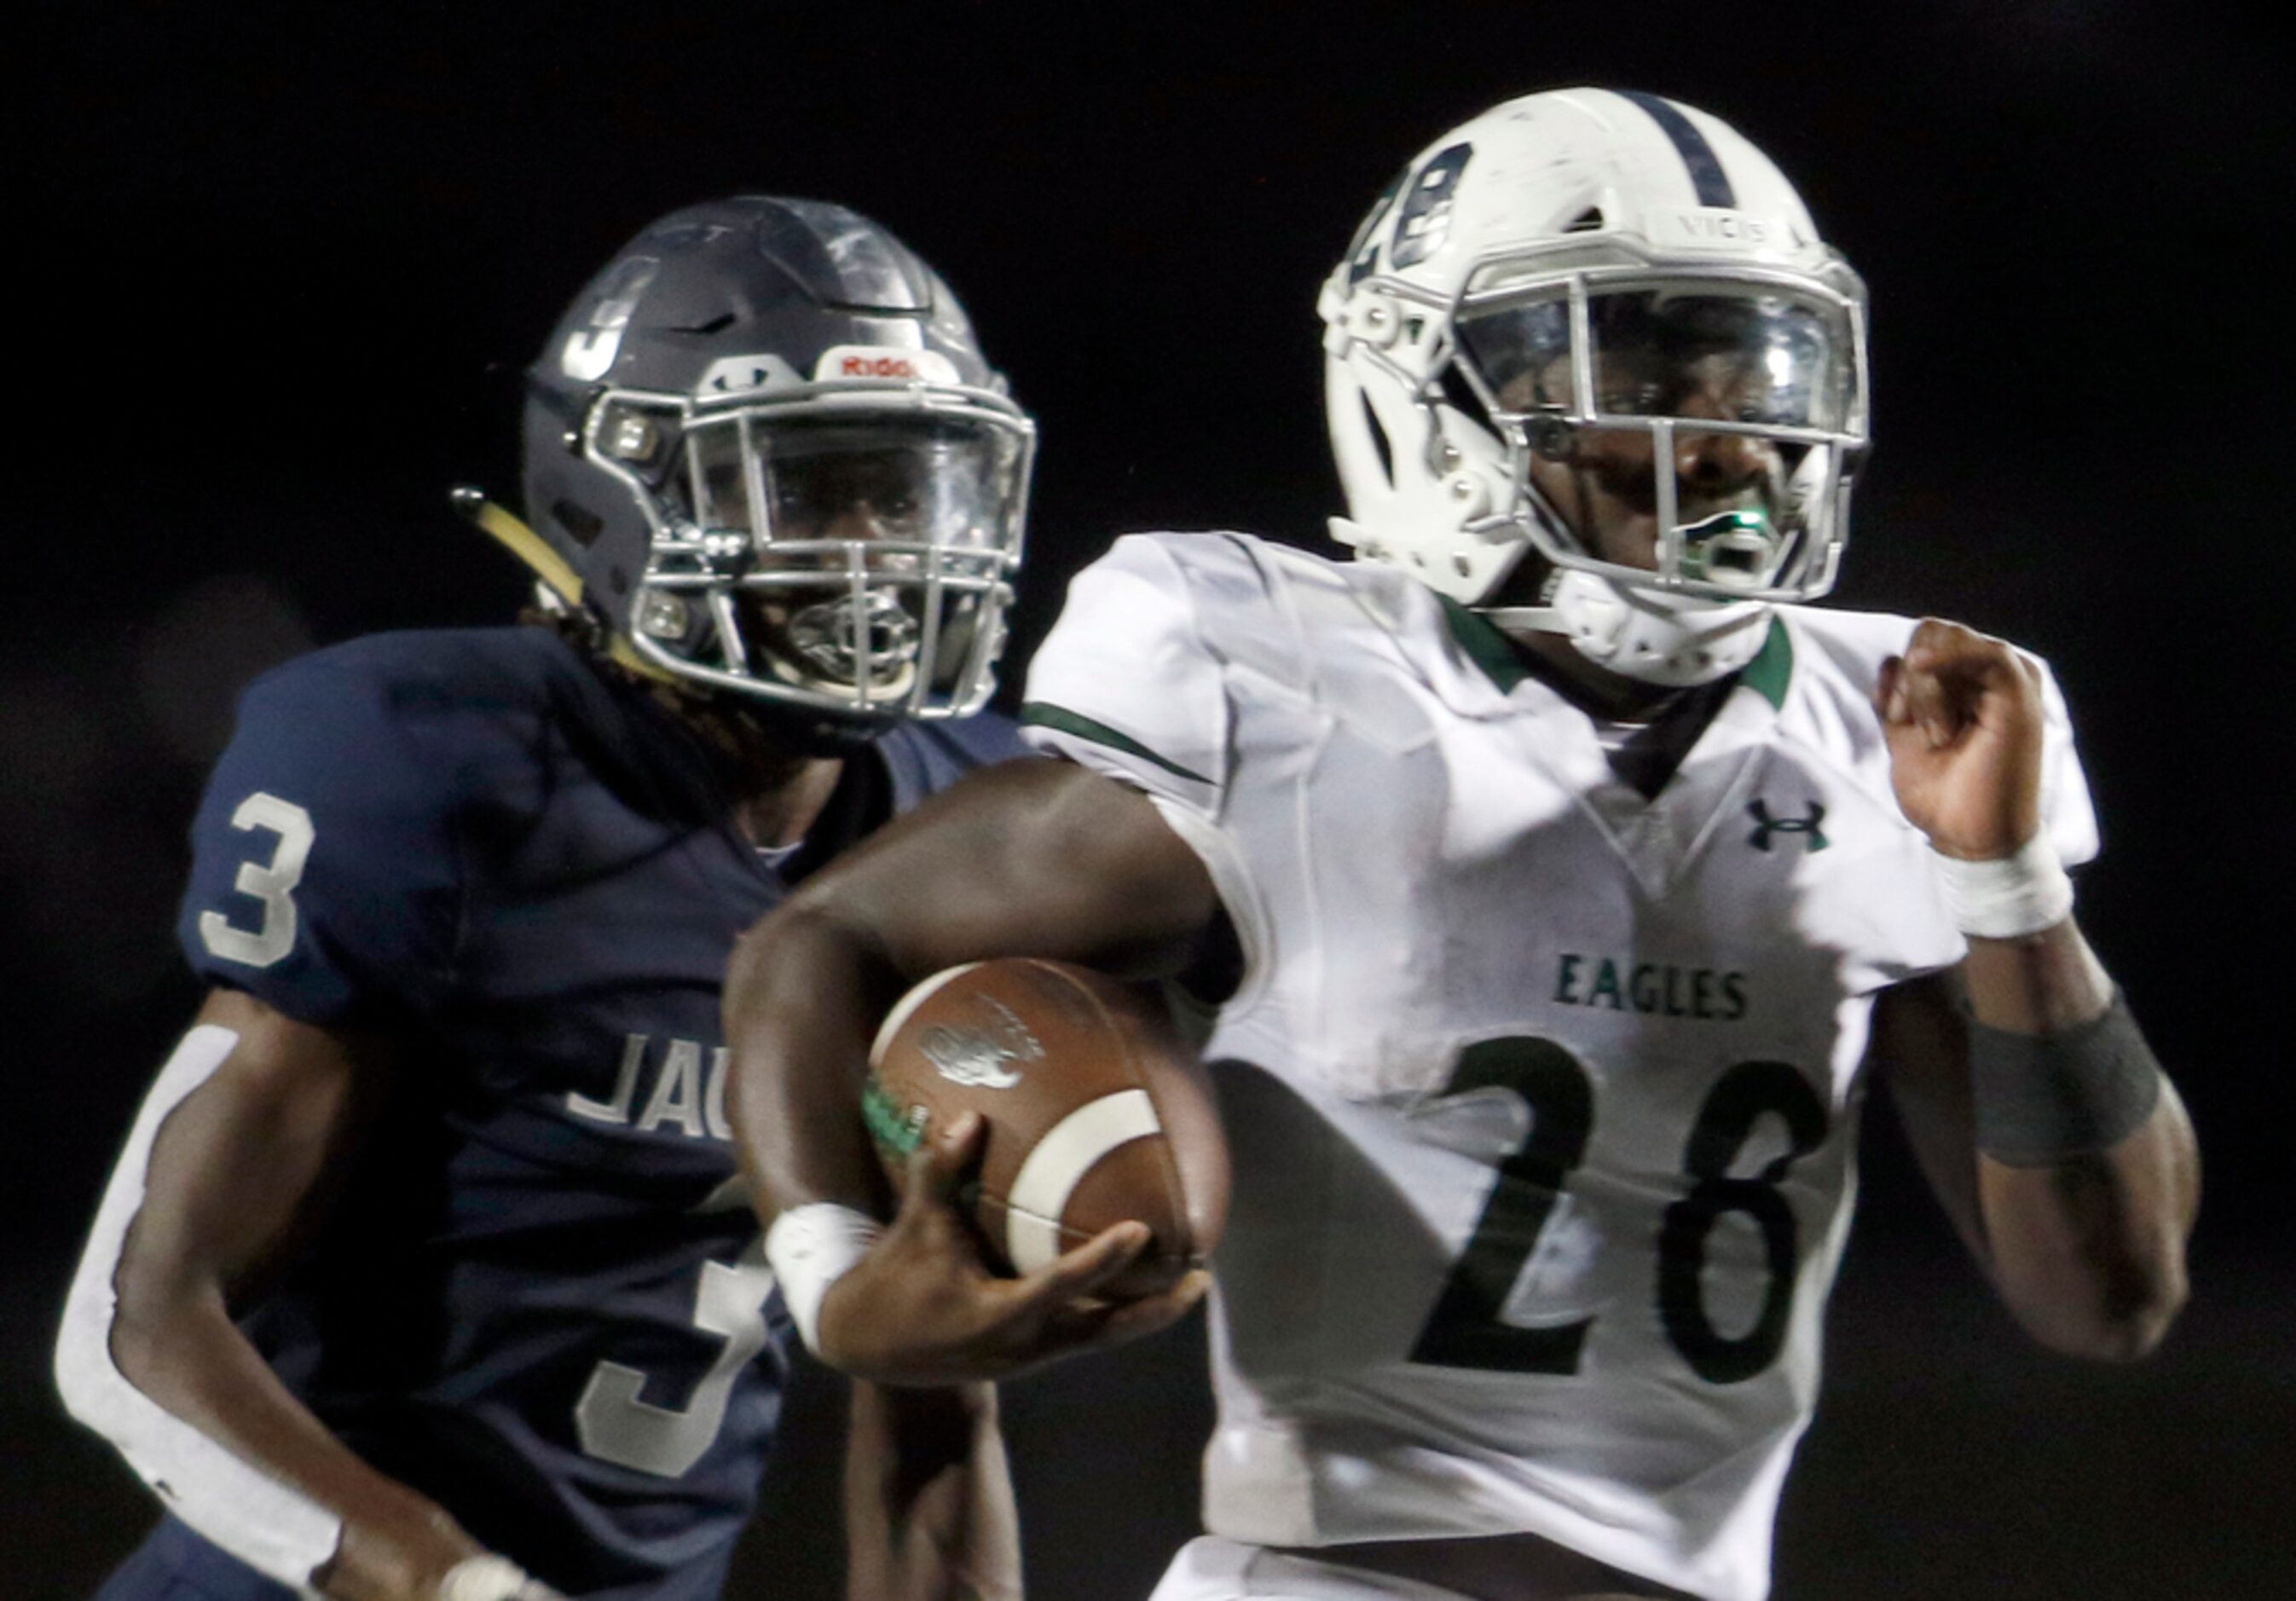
255 1518
1640 634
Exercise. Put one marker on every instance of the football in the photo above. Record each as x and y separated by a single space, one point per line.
1097 1112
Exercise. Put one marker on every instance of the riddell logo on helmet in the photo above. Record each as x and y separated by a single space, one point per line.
880 363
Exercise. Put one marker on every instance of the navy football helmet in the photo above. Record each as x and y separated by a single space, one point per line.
767 444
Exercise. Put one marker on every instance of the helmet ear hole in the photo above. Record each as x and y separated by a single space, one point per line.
583 526
1461 397
1379 441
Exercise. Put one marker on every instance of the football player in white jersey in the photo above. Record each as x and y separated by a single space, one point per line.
1581 880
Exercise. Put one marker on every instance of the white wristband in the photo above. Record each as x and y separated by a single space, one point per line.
491 1578
810 1248
2009 897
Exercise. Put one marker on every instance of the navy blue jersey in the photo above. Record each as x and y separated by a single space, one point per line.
540 1298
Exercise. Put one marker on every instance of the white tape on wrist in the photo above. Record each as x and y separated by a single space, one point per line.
810 1248
2009 897
486 1578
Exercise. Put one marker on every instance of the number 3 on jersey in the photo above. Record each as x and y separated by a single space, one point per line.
1467 1329
612 1421
273 884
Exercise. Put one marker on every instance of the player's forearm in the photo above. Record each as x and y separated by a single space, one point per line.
1033 857
930 1513
2090 1252
802 997
184 1353
216 1182
2042 984
2087 1246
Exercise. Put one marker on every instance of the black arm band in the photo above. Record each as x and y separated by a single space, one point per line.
2041 1098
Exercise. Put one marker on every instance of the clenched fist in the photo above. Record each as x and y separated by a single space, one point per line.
1962 711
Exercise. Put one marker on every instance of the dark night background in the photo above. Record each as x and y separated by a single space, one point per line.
283 273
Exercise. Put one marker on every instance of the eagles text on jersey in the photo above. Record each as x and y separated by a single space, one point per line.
1542 1085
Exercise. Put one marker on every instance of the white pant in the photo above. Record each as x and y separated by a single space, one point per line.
1212 1568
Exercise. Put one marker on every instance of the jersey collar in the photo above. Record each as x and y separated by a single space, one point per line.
1771 670
1767 675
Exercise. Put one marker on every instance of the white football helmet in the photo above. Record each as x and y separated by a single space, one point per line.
1553 303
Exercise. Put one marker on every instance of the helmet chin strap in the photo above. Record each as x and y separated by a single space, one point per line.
556 583
1673 640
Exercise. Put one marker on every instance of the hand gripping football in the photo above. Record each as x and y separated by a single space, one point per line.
1096 1112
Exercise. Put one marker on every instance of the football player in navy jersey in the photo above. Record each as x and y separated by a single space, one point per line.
427 1271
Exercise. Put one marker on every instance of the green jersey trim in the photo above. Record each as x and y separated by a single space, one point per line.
1488 649
1767 675
1772 668
1044 714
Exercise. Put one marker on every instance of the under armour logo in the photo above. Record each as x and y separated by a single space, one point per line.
1765 825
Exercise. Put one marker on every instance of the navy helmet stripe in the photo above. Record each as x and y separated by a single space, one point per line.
1706 174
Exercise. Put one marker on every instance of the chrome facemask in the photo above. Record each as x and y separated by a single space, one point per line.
1608 376
846 547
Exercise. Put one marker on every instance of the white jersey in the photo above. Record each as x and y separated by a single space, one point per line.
1542 1095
